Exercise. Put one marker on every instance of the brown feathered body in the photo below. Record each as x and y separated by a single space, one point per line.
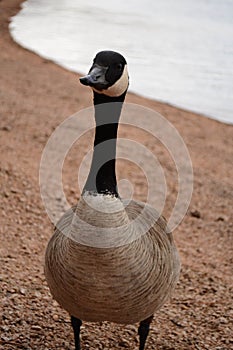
121 269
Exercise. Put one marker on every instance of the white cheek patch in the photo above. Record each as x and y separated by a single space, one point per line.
120 86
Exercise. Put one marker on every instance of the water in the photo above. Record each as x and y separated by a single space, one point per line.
179 52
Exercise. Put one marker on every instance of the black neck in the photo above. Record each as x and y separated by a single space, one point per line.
102 176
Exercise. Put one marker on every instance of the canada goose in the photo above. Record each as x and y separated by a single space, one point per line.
131 273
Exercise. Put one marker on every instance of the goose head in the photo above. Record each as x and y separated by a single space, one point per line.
108 74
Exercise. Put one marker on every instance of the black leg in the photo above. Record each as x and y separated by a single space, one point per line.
143 331
76 324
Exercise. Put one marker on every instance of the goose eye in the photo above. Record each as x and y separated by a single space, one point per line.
119 66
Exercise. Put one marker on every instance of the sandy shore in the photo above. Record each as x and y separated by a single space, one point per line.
35 97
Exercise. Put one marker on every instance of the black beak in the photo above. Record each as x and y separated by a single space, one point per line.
87 80
95 77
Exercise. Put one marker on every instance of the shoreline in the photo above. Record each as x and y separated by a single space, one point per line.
36 95
164 100
130 93
133 93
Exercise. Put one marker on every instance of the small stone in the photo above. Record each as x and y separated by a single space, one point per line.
36 327
177 323
5 328
22 291
124 343
9 256
221 218
6 128
195 213
37 294
14 190
11 291
55 303
55 317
